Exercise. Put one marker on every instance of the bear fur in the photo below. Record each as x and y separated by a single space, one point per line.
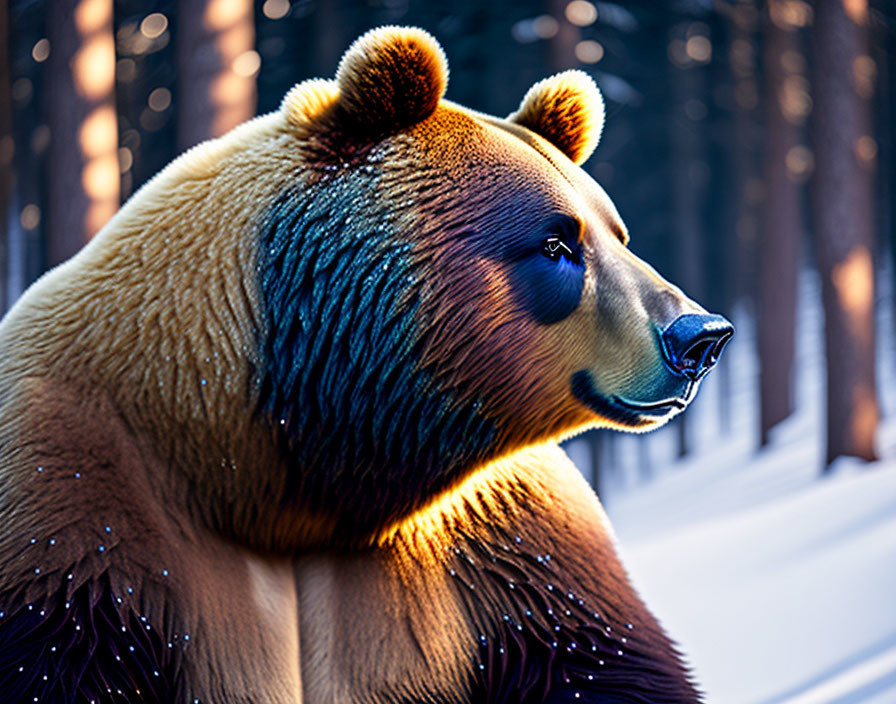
286 429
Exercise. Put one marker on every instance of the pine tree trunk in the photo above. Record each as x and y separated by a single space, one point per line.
782 224
721 244
216 88
562 46
842 211
689 178
741 63
742 57
83 183
888 156
7 148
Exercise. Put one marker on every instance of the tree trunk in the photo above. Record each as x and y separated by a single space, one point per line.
689 174
883 126
721 243
842 211
83 183
562 46
782 225
741 149
216 69
742 58
888 154
7 148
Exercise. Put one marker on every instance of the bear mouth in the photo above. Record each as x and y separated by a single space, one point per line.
657 408
623 411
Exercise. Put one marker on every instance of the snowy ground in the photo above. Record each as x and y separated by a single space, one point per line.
779 586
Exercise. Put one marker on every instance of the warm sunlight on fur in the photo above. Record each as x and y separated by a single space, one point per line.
567 110
430 532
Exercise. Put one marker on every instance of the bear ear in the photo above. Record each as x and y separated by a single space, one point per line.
567 110
391 78
309 99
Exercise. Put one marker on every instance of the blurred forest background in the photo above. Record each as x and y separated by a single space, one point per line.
747 142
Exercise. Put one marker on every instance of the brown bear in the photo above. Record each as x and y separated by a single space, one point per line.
286 429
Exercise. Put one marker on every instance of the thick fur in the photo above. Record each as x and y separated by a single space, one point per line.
391 78
567 110
285 430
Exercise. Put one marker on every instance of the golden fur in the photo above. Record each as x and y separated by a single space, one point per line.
567 110
391 77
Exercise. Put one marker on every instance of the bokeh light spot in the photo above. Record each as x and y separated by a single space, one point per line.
125 159
40 139
159 99
247 64
866 150
698 49
800 161
581 13
93 67
864 73
126 70
853 280
98 133
589 51
30 216
100 177
153 25
22 90
92 15
40 52
545 27
275 9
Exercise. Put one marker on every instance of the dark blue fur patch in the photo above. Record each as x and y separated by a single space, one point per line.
553 634
80 649
342 384
550 289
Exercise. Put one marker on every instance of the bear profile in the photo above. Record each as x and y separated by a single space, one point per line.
286 429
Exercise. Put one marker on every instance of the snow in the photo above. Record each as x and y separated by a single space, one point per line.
779 584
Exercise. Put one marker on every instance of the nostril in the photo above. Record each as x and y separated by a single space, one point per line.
696 355
720 345
693 343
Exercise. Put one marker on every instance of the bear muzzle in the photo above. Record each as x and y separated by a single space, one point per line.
686 350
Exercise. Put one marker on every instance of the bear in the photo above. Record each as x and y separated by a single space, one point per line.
286 430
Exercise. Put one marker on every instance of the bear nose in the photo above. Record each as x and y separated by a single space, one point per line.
692 343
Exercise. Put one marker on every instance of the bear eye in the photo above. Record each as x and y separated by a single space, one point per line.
555 249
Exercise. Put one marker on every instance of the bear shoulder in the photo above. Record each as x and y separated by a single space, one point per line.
507 589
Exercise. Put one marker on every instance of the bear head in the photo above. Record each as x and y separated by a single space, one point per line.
441 287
